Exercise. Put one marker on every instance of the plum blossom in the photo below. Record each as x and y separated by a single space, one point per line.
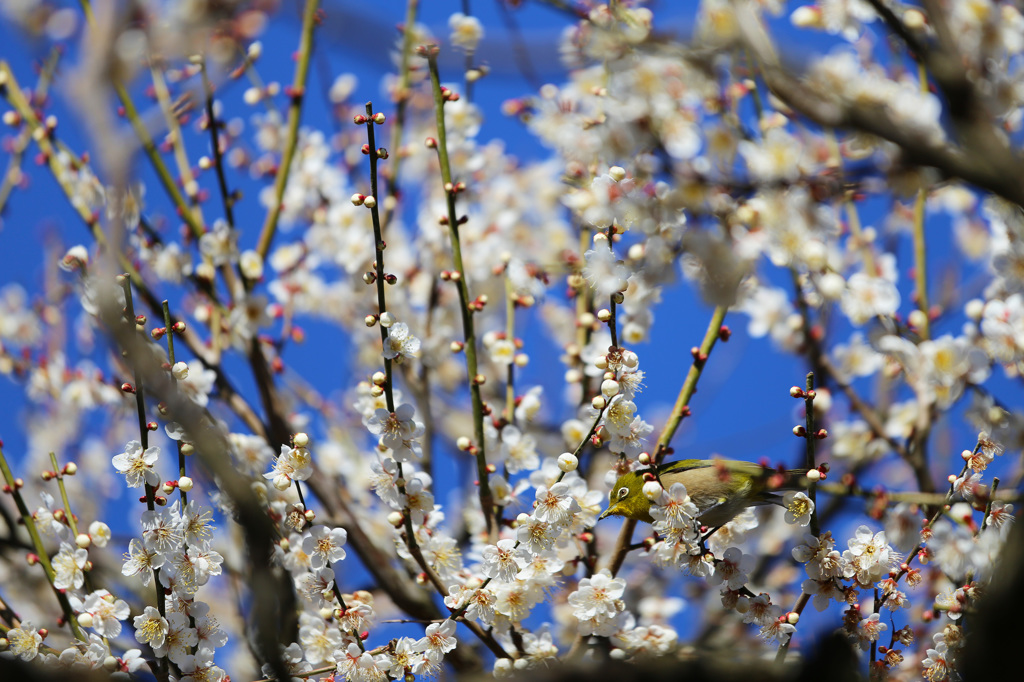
151 628
360 666
438 640
398 431
141 561
466 31
138 465
400 343
68 565
293 464
555 505
107 612
799 508
869 557
598 597
867 297
324 545
733 571
518 450
199 383
952 546
604 273
502 561
24 641
674 508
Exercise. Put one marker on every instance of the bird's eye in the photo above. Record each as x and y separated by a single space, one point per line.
623 491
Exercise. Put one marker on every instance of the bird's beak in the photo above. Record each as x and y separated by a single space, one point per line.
607 512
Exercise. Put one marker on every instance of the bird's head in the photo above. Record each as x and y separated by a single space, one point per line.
627 498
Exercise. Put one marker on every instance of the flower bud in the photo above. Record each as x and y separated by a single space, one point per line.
568 462
806 17
917 319
914 19
251 264
609 388
974 309
180 371
652 490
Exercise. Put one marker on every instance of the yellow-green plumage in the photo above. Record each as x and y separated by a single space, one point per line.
720 488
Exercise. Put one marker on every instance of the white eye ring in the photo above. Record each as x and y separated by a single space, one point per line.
623 491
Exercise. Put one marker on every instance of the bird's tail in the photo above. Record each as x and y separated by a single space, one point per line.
791 479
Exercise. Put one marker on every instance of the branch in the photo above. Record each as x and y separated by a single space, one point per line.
297 92
985 159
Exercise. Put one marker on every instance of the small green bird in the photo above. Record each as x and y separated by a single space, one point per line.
721 488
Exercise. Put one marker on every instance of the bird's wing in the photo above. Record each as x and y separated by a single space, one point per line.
749 468
684 465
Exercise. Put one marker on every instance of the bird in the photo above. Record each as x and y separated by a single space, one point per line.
720 488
